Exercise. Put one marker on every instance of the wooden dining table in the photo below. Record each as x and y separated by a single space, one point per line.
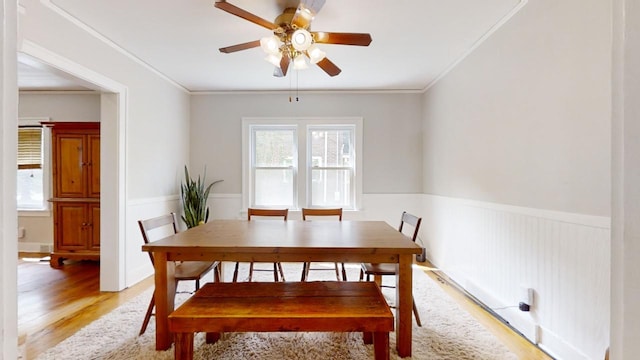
286 241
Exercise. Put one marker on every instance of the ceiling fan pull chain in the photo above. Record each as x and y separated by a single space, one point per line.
297 74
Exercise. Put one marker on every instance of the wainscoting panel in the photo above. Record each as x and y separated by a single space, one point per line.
495 250
137 264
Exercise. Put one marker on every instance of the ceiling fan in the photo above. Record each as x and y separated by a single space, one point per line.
292 41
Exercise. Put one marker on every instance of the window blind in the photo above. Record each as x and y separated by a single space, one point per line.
30 147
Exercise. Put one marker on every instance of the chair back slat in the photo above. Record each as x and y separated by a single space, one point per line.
284 213
413 221
154 223
321 212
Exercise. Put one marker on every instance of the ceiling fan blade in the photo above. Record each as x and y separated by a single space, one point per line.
284 64
359 39
238 47
234 10
329 67
306 11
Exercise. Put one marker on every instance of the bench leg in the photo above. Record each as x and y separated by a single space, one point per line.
212 337
381 345
184 346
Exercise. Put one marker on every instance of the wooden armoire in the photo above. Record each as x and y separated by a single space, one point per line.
76 191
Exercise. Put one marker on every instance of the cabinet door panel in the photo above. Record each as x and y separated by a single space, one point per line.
69 163
94 213
70 219
93 172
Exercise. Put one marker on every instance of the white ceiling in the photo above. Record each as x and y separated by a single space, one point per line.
414 41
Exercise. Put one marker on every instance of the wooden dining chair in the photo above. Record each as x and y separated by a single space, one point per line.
184 270
277 267
390 269
306 267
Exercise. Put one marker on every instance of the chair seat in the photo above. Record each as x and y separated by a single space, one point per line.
379 269
193 270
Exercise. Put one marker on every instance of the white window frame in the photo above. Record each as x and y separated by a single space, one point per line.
303 170
46 167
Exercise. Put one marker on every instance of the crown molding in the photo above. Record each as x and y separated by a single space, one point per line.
305 92
58 92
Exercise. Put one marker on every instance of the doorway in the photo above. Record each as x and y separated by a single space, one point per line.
112 104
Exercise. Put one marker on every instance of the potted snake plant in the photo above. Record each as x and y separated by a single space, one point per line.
195 193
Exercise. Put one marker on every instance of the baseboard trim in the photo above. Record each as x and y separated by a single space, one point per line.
35 247
446 280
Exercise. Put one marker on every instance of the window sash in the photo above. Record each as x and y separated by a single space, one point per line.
263 197
331 188
349 200
30 147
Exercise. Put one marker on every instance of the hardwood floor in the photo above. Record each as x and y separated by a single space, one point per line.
54 304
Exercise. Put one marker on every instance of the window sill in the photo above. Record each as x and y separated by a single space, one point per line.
34 213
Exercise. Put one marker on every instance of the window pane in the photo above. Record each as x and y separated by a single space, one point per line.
274 148
29 148
274 187
30 195
331 188
331 148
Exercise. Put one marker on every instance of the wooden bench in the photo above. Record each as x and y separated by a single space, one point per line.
328 306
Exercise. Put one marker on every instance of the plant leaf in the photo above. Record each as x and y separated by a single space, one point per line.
194 198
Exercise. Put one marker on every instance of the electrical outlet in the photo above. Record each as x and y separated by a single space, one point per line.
525 298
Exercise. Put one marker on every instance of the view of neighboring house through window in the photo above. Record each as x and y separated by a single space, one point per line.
297 163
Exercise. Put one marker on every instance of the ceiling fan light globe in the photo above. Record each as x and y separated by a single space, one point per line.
300 62
301 39
274 59
305 13
270 44
311 6
315 54
277 72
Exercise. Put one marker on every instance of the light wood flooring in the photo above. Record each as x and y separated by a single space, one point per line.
54 304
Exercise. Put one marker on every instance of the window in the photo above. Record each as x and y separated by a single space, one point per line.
31 190
297 163
273 166
331 159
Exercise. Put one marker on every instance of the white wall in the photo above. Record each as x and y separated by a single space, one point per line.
8 172
517 168
8 141
525 120
392 141
74 106
625 292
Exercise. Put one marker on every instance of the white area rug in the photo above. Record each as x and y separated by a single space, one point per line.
448 332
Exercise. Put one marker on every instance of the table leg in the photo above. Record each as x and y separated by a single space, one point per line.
165 296
404 305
